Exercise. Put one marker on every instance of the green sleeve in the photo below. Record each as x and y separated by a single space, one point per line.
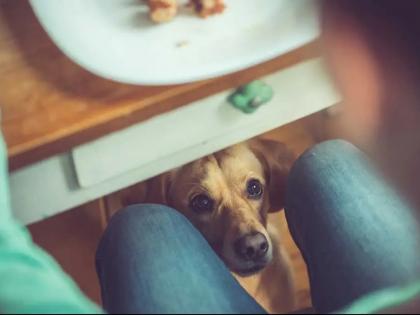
379 302
31 281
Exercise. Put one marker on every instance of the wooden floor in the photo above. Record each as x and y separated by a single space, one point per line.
72 237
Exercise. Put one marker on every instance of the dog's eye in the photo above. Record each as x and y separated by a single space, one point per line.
254 188
202 204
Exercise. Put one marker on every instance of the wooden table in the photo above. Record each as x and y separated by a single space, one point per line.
49 104
72 136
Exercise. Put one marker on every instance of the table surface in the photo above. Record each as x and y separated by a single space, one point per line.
49 104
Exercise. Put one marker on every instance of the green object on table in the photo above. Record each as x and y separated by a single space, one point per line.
248 98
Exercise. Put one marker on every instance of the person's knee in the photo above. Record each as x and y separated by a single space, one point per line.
319 169
316 160
135 221
143 216
316 181
327 152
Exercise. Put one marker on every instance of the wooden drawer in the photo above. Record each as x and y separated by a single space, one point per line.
298 91
139 152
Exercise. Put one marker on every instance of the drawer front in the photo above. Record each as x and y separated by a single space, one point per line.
298 91
126 157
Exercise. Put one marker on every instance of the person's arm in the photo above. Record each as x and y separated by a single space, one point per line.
399 300
31 281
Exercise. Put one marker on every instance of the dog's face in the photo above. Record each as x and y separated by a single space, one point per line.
228 195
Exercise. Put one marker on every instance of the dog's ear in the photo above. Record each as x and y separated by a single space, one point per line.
158 189
277 160
154 190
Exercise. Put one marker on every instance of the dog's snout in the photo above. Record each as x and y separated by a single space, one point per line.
252 247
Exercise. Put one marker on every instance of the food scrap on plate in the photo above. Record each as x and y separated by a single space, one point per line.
165 10
206 8
162 10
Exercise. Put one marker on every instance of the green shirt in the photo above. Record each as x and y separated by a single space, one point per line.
32 282
378 302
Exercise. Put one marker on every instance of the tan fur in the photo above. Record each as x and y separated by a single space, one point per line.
223 176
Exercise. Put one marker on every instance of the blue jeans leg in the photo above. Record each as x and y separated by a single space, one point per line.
152 260
356 235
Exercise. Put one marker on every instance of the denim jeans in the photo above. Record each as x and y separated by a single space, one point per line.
355 234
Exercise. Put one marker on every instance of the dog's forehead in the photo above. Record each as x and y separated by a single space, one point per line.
238 159
231 166
223 170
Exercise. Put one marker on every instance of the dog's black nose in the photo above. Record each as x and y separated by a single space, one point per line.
252 246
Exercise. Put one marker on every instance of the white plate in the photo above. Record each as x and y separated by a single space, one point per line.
115 39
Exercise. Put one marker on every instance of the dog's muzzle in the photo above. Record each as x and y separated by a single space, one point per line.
252 247
253 251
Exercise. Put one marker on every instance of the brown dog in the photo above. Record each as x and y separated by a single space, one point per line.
227 196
